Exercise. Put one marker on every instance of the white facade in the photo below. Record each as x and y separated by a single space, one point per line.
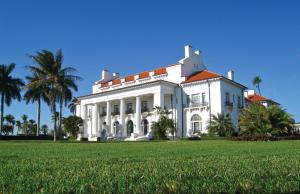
123 106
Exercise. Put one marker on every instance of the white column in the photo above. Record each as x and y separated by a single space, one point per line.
83 116
108 117
159 99
94 120
122 117
137 115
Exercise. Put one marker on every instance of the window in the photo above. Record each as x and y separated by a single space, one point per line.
129 109
196 99
188 100
129 106
227 97
203 98
239 101
145 106
116 108
196 124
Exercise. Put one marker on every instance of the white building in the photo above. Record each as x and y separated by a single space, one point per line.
123 106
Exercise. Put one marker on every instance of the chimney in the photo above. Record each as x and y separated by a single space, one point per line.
230 75
105 74
187 51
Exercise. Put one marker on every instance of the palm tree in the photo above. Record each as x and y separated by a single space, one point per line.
221 124
50 71
36 92
72 105
256 82
18 125
10 88
66 86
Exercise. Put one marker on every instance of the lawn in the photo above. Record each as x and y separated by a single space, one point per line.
149 167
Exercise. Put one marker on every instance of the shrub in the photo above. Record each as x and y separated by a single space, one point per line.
71 125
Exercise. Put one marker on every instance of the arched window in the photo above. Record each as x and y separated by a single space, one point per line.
129 127
196 123
145 125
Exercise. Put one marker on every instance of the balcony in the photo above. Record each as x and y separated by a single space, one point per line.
228 104
103 114
129 111
198 104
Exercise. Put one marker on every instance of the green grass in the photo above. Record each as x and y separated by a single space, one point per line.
149 167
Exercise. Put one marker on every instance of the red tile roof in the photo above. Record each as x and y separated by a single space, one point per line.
104 84
201 75
116 81
256 98
144 75
160 71
129 78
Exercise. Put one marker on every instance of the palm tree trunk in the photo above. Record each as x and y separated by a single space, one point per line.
54 118
38 117
2 112
60 118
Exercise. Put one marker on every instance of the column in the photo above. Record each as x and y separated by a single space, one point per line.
83 116
122 117
94 120
108 117
159 99
137 115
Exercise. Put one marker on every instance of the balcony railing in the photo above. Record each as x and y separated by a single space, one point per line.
129 111
229 104
103 114
198 104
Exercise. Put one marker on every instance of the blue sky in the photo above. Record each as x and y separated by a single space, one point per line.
251 37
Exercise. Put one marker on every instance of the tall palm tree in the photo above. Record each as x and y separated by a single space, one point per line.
67 84
221 124
72 105
256 82
36 92
10 87
49 69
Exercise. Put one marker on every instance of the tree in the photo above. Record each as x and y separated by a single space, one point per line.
50 71
71 125
44 129
67 84
24 124
254 120
221 124
10 88
18 125
35 93
72 105
256 82
164 124
281 121
8 126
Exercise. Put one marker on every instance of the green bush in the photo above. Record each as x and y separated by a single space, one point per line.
71 125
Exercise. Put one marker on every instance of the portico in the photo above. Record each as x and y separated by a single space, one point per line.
120 115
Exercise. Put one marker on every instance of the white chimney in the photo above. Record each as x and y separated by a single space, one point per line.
230 75
187 51
105 74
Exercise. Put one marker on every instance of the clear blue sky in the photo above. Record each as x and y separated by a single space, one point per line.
251 37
